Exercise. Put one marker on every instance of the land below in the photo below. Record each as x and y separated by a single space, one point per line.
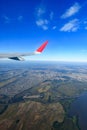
38 96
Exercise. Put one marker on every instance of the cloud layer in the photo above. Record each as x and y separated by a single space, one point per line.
44 22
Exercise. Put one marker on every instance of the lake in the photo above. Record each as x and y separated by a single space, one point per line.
79 107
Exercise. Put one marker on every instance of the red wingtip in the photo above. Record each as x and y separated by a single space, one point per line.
41 48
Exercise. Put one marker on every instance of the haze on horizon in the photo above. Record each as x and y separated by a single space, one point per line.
24 25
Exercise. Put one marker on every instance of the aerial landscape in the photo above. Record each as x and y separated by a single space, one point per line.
38 95
47 91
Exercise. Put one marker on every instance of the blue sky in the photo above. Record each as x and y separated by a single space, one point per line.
26 24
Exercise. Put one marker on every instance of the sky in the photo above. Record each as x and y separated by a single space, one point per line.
26 24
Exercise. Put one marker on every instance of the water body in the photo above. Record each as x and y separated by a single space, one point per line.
79 107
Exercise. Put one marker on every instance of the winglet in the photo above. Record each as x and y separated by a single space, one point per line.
41 48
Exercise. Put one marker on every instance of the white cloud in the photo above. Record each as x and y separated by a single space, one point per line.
43 23
6 19
54 27
44 27
71 26
51 15
40 11
85 28
20 18
85 22
71 11
41 20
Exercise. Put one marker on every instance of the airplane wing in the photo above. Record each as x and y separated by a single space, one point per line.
19 56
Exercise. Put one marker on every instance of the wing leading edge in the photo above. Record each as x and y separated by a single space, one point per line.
19 56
